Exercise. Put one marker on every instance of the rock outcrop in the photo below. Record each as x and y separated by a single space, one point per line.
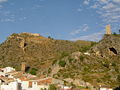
108 46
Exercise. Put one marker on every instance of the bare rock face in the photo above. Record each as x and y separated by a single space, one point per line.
108 46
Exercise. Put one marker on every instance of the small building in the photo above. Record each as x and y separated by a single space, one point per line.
66 88
10 86
8 69
86 53
8 83
105 87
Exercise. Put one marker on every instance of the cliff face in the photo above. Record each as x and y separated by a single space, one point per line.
108 46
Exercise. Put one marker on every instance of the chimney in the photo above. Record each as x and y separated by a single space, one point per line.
23 66
108 30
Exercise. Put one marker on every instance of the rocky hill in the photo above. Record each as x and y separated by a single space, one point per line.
37 51
99 66
108 46
77 63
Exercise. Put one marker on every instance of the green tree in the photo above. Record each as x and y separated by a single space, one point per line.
82 58
114 33
118 78
119 31
62 63
33 71
49 37
84 48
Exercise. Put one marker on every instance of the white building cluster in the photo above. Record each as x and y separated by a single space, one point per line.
17 80
10 79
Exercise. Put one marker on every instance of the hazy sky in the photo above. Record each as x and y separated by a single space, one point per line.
60 19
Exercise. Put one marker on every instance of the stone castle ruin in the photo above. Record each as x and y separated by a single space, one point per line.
31 34
108 30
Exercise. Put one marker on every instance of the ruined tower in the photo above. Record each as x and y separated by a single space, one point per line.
23 66
108 29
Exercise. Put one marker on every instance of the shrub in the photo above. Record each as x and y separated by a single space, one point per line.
52 87
82 58
33 71
106 65
84 48
93 43
43 89
114 33
62 63
118 78
66 75
54 62
50 37
117 88
49 70
70 60
64 54
113 64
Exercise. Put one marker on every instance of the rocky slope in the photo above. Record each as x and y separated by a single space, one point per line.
77 63
108 46
98 67
37 51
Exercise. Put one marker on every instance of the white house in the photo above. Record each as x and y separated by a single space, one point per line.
30 85
66 88
106 88
35 86
2 74
9 86
8 69
24 85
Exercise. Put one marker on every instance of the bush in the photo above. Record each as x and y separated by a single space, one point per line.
33 71
43 89
54 62
66 75
64 54
84 48
114 33
93 43
49 70
62 63
118 78
82 58
118 88
70 60
52 87
50 37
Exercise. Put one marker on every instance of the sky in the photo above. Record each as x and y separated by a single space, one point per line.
60 19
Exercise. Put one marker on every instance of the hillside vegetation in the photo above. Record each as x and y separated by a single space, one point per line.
37 51
100 66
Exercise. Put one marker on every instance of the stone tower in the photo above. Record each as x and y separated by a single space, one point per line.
23 66
108 29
